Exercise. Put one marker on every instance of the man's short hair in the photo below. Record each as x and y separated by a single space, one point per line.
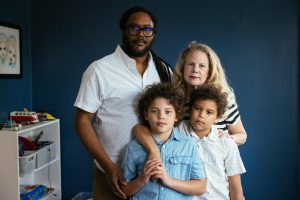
125 16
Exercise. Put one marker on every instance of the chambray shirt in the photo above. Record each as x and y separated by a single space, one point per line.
181 158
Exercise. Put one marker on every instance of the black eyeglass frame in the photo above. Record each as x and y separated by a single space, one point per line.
140 28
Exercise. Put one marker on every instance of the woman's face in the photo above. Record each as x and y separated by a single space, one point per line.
196 68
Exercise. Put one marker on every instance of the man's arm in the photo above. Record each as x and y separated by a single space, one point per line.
87 135
235 187
143 135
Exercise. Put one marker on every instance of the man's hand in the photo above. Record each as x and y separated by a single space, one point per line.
115 177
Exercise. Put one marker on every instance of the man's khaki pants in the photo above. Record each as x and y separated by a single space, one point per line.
102 189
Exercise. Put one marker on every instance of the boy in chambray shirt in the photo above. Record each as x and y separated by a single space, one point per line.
180 173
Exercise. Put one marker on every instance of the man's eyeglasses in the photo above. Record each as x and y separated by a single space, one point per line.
135 30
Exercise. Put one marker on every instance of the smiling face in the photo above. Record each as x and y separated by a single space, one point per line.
11 56
3 50
161 116
137 45
204 114
196 68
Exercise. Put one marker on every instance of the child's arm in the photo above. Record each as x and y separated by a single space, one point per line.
134 186
234 167
189 187
235 187
143 135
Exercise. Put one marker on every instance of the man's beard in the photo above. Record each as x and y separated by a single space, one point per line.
131 52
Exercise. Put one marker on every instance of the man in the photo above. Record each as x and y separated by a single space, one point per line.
109 90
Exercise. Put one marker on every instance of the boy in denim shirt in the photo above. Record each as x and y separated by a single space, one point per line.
180 174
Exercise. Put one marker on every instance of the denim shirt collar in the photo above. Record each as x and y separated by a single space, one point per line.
175 135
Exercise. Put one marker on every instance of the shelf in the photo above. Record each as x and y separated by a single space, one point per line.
56 194
49 174
47 164
30 127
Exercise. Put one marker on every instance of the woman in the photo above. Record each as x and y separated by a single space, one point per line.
198 64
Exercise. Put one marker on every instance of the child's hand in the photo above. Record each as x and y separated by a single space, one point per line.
161 173
149 169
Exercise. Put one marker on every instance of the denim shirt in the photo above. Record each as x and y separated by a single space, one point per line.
181 158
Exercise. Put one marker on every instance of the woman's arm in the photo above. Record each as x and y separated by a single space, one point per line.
143 135
238 132
235 187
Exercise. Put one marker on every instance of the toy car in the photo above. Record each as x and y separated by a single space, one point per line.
24 116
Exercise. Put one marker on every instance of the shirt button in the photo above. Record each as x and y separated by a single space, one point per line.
162 188
163 146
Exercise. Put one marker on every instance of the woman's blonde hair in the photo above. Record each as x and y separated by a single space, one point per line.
216 74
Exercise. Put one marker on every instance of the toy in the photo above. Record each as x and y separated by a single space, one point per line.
44 116
32 192
24 116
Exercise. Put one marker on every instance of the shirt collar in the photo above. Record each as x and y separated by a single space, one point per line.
126 59
212 136
175 135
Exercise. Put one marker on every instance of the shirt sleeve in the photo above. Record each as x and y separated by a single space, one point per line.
232 114
233 162
128 165
197 171
89 95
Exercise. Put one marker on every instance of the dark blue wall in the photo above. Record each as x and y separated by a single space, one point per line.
17 93
256 40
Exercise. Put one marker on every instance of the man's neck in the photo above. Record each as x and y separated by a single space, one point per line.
141 63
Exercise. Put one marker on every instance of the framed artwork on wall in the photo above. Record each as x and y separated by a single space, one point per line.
10 51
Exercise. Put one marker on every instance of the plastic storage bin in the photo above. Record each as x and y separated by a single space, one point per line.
45 153
83 196
27 162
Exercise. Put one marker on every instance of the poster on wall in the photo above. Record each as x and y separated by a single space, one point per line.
10 51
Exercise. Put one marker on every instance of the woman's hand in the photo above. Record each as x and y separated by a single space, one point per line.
223 134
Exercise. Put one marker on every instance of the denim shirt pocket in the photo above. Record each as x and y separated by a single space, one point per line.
179 167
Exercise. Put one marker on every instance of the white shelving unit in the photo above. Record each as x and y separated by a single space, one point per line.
48 174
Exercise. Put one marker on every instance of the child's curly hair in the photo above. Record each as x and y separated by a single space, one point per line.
162 90
210 92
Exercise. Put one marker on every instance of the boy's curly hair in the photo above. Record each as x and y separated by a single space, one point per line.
161 90
210 92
